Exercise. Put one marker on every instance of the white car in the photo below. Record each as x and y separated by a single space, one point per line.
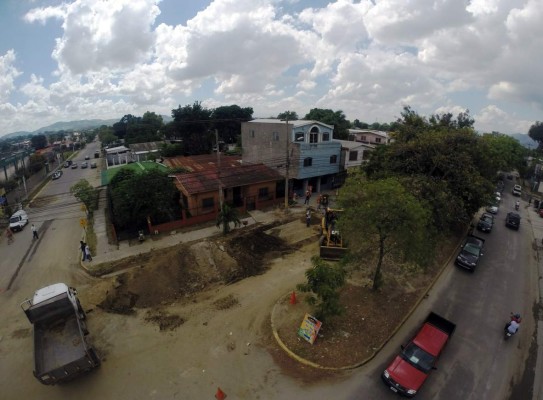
493 208
517 190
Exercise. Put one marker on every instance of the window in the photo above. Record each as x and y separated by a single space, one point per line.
378 140
300 137
326 137
275 136
333 159
308 162
363 138
208 202
353 155
314 135
252 133
263 193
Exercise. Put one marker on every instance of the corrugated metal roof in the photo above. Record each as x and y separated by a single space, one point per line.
206 177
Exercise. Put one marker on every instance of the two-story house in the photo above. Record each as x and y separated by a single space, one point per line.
302 151
354 154
368 136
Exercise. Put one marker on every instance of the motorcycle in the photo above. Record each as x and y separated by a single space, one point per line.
141 236
515 319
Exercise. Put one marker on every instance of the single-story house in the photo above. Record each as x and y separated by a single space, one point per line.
209 177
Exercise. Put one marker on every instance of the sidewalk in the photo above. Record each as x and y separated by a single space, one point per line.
106 252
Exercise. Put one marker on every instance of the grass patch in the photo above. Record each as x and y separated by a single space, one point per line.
136 166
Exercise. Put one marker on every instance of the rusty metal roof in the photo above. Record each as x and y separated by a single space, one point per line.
206 176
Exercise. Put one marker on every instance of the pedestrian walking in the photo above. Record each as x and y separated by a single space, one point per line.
83 246
34 232
9 235
88 252
307 197
308 217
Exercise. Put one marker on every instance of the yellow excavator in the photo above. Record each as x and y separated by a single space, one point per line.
332 246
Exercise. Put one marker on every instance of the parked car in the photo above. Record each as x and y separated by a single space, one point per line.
18 221
74 165
84 164
512 220
493 208
93 165
57 174
87 157
517 190
486 222
470 253
67 163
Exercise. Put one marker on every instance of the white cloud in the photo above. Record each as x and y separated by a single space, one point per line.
492 118
366 58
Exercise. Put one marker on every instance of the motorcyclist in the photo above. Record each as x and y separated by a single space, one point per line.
517 205
514 324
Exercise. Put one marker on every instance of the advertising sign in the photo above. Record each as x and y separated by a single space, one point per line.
310 328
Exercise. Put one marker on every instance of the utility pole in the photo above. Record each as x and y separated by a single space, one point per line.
221 194
287 166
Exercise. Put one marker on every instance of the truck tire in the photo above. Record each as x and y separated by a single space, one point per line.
82 314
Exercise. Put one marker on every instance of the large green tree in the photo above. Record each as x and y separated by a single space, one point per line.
536 133
136 196
39 141
227 120
85 193
192 124
226 216
381 218
288 115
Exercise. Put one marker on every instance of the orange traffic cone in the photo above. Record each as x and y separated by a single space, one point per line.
220 395
293 297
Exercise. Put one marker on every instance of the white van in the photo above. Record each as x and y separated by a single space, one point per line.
18 221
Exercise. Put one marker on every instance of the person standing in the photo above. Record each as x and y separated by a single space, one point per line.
319 201
34 232
308 217
307 197
83 246
88 252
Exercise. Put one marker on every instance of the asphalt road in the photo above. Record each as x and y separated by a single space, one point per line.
140 363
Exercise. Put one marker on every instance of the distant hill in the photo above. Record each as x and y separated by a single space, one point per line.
73 126
525 140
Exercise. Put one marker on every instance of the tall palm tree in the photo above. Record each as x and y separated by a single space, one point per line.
226 216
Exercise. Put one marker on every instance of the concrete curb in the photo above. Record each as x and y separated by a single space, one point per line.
368 359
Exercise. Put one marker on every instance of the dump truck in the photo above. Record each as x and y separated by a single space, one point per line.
332 245
409 370
61 351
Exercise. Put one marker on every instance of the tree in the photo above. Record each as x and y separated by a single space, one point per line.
227 215
85 193
138 196
391 220
39 141
536 133
192 124
227 120
336 118
290 115
37 161
324 282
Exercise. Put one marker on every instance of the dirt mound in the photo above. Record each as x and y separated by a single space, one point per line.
171 275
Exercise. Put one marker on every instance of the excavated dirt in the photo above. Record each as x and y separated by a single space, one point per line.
175 274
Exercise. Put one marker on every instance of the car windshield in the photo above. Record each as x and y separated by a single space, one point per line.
471 249
418 357
14 219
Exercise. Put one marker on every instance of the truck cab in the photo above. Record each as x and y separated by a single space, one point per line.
18 221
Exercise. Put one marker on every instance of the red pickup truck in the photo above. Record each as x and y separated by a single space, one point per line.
409 370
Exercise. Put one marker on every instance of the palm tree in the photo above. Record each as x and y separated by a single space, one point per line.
226 216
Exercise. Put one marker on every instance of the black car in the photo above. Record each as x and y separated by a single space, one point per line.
470 253
486 222
512 220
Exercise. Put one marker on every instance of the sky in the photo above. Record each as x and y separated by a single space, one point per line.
103 59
